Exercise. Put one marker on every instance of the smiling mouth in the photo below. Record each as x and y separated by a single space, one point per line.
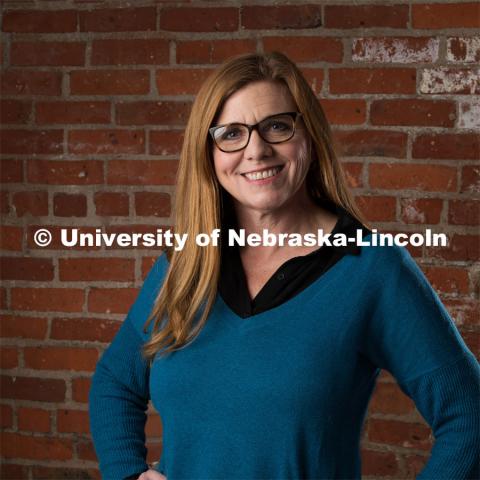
262 174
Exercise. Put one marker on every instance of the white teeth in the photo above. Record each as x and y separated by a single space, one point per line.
263 174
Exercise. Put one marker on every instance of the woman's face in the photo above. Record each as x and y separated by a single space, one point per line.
288 162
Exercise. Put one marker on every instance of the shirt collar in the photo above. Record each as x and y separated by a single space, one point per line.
346 224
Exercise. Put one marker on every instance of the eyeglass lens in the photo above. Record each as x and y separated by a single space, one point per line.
273 130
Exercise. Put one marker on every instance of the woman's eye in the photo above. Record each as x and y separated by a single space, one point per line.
231 134
276 126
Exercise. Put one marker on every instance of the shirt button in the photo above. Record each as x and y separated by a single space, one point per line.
281 276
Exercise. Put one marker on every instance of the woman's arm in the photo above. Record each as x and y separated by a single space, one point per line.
411 334
118 400
120 393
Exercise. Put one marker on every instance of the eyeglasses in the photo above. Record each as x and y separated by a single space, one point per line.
276 128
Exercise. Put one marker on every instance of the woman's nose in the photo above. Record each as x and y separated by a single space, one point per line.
257 147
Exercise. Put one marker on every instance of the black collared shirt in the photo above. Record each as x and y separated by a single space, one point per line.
291 277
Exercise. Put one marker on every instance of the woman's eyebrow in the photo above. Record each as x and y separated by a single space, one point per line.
243 123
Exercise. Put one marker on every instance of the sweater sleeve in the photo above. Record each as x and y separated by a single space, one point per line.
119 393
411 334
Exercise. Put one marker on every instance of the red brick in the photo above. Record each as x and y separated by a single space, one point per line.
84 329
371 143
154 451
65 172
414 465
80 389
353 173
464 248
142 172
11 171
111 300
463 49
11 237
86 451
48 299
421 210
47 473
30 203
152 204
4 203
306 49
13 471
379 463
72 421
377 209
3 299
60 358
472 340
28 82
212 51
372 80
392 432
366 16
469 113
118 19
447 279
72 112
32 141
96 269
33 419
111 203
5 206
130 52
153 113
314 78
430 178
447 15
147 264
197 19
413 112
15 111
260 17
81 142
470 179
23 327
34 21
464 212
185 81
32 388
447 146
109 82
165 142
33 269
463 310
344 111
6 417
395 49
8 357
448 80
47 53
153 427
69 205
15 445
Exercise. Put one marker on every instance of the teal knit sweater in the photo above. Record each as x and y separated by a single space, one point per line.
283 394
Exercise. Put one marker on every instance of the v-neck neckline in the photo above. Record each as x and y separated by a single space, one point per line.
258 319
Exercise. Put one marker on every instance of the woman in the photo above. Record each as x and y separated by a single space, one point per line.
261 360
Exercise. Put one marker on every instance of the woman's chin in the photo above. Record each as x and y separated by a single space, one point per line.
263 205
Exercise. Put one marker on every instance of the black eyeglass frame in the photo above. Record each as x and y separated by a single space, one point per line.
250 128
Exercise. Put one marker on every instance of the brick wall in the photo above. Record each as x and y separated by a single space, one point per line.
94 99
